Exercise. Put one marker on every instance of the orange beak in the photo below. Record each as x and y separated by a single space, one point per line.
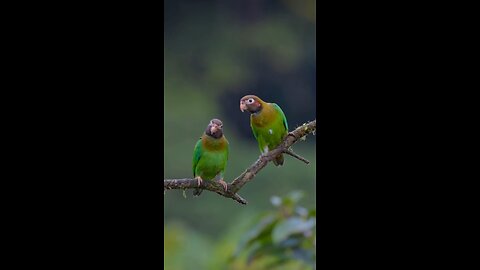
243 107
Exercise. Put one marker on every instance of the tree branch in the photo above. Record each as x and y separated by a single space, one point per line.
233 187
295 155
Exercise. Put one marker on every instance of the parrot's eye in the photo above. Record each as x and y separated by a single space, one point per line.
250 101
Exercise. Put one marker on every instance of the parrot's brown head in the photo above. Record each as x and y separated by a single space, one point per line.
214 129
251 103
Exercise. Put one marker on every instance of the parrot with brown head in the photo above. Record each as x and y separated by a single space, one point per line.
268 122
210 155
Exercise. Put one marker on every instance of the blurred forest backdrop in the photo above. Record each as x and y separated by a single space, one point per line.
216 52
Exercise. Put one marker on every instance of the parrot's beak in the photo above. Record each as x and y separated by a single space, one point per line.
214 128
243 107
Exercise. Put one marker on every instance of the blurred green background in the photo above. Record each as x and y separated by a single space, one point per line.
215 53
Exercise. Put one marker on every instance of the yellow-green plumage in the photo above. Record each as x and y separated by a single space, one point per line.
269 127
209 158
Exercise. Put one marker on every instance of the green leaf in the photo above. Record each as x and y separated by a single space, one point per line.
265 250
290 242
291 226
254 252
280 261
301 211
296 195
292 198
258 233
304 255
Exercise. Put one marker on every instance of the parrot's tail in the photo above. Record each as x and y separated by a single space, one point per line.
197 192
278 161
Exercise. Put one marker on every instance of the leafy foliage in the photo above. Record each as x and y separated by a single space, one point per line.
284 236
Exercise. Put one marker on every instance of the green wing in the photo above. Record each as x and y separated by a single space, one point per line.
228 150
197 153
282 115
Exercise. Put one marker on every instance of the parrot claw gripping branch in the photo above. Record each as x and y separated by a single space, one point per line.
233 187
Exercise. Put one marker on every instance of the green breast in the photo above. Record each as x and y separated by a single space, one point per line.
213 155
269 127
211 164
270 135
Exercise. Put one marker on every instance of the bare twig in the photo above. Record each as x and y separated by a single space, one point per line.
295 155
249 173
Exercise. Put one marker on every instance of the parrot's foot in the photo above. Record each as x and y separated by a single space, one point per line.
223 183
199 180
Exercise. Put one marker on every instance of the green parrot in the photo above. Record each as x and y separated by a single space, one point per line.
210 155
268 122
